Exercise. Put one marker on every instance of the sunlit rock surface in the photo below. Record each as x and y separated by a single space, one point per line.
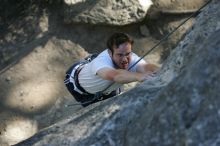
179 106
105 12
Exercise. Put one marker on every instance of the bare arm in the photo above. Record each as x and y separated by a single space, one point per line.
147 68
121 76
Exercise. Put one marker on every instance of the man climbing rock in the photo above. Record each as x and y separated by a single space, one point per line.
100 77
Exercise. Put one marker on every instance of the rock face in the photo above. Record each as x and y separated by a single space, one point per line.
186 112
179 106
166 15
178 6
105 12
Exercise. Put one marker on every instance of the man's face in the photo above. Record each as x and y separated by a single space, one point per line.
122 55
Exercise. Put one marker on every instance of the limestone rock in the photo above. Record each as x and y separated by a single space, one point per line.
179 106
186 112
178 6
106 12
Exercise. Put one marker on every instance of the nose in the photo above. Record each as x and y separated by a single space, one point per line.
124 58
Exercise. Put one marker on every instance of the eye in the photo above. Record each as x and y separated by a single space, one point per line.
128 54
122 55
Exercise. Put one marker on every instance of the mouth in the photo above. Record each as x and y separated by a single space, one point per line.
124 64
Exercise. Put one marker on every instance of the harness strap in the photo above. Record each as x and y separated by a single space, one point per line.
73 77
76 79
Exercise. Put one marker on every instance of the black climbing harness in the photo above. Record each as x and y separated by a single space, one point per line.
99 94
78 92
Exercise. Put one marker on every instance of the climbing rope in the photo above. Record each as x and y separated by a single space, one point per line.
169 34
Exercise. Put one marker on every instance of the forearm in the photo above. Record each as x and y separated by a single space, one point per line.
147 68
124 77
121 76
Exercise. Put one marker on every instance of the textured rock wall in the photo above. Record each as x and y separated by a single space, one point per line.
105 12
180 106
41 48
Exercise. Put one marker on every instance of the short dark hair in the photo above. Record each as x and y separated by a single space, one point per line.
117 39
